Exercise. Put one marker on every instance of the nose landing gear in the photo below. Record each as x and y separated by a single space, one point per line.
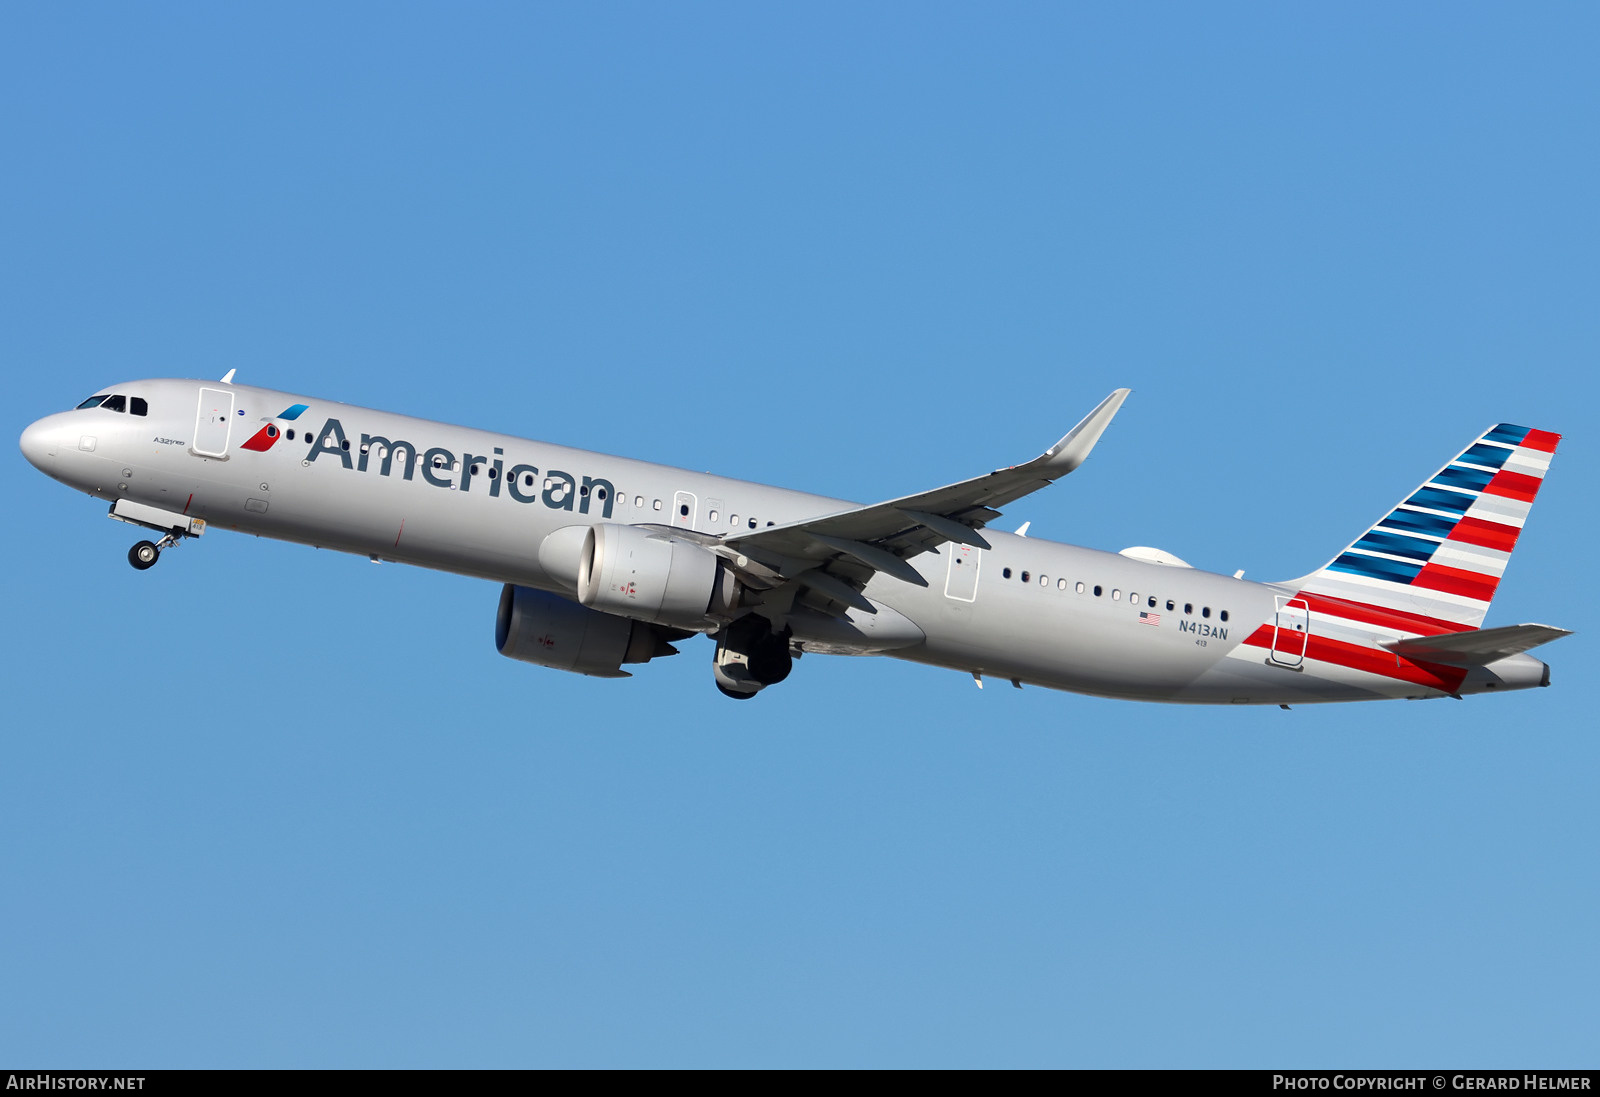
172 527
145 554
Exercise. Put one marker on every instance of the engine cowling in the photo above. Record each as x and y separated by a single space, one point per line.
638 573
535 626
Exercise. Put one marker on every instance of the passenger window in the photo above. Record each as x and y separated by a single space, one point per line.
92 402
138 406
1080 588
1044 580
1133 597
1188 607
584 491
1170 605
733 519
1005 573
1224 615
1205 611
527 480
1061 584
1097 592
1152 601
1116 595
712 516
1024 577
683 509
291 434
752 523
657 505
115 403
638 500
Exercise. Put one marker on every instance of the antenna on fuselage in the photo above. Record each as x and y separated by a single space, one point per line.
227 378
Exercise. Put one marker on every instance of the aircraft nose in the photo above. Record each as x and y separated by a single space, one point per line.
40 442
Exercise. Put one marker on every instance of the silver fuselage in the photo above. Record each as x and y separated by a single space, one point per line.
404 490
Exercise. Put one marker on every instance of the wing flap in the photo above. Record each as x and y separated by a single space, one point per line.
1477 647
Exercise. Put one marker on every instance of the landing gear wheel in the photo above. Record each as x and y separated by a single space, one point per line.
771 662
735 694
144 555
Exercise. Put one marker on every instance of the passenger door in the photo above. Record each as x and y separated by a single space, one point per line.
1291 632
213 421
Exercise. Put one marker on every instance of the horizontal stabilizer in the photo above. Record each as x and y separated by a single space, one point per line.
1477 648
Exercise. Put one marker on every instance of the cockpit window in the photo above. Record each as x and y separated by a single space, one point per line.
116 403
92 402
138 406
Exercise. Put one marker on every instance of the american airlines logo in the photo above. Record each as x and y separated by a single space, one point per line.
267 437
523 482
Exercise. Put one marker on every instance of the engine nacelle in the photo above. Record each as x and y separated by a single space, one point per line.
638 573
536 626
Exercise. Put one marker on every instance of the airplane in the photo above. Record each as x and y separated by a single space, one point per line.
607 562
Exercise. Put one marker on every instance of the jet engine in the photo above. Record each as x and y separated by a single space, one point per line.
642 574
536 626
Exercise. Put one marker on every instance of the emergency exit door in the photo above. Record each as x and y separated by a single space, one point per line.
962 581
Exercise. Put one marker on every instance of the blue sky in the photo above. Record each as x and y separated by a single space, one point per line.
269 806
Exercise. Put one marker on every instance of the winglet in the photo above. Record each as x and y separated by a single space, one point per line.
1073 449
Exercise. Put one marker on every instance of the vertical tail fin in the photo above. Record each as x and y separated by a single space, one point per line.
1440 553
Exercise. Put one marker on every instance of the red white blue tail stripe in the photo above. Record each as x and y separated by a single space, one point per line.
1428 567
1432 564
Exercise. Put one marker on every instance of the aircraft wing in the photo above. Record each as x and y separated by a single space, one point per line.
836 554
1477 647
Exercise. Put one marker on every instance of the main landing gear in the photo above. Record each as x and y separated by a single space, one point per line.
145 554
751 656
